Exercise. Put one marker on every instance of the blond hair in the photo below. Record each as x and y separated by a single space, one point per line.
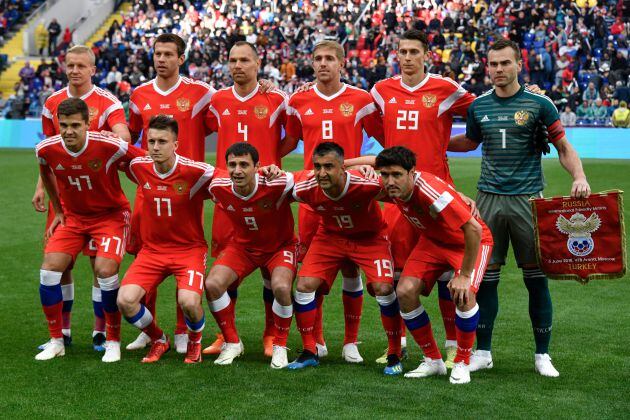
82 49
333 45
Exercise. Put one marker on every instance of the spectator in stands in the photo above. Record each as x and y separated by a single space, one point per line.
590 93
584 112
622 92
54 29
112 79
27 73
3 103
600 112
621 116
41 37
568 117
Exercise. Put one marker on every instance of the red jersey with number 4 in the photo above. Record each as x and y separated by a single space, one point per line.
186 102
420 117
105 110
88 180
353 214
437 210
342 117
172 205
257 119
262 221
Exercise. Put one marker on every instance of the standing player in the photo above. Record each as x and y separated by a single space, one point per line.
243 113
505 121
173 240
451 239
84 164
417 110
106 114
263 237
351 228
332 111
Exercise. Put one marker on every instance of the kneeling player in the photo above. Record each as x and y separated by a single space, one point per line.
451 239
172 232
263 225
84 164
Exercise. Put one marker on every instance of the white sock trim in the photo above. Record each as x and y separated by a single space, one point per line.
67 291
49 278
411 315
468 314
303 298
281 310
386 300
352 284
96 294
220 303
145 320
108 283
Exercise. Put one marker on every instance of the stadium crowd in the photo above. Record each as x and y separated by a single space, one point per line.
575 50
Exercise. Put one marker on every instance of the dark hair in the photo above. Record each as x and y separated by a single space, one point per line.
397 155
506 43
246 44
73 106
326 147
164 122
416 35
242 149
175 39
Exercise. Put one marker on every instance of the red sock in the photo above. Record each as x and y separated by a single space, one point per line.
180 327
352 308
226 321
447 308
318 328
194 337
99 323
112 325
426 341
392 324
269 318
465 342
150 300
153 331
66 318
281 327
306 322
54 318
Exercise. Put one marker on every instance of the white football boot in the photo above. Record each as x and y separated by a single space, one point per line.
181 343
279 359
140 342
460 374
479 360
543 366
322 350
54 348
230 352
112 352
350 353
429 367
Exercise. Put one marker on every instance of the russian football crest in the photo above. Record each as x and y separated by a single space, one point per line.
95 164
183 104
180 187
346 109
428 100
521 117
261 111
579 229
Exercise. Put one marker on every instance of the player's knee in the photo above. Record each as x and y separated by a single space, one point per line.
212 287
105 270
307 285
405 289
283 289
125 301
380 289
189 304
52 263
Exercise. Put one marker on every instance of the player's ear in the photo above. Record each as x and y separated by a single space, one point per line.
176 144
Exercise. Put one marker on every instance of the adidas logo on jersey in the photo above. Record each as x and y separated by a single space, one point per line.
146 107
321 208
485 118
230 208
226 112
60 167
147 186
309 112
392 101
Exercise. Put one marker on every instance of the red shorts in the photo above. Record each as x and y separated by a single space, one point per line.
134 243
329 252
108 234
89 249
150 268
402 235
308 223
222 231
243 262
428 261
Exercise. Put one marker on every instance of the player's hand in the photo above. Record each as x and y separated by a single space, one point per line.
109 133
266 85
474 211
580 189
271 172
459 286
59 219
368 172
534 89
306 86
39 200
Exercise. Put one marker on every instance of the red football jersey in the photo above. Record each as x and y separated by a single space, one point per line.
353 214
105 110
342 117
88 180
187 102
437 210
257 118
420 117
262 221
172 205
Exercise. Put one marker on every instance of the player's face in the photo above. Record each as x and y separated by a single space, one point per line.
162 144
73 129
398 182
411 56
328 170
242 170
243 64
326 65
79 69
503 66
165 59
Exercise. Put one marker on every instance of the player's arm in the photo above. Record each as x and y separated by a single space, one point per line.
288 144
48 181
459 286
48 128
121 130
571 162
472 138
135 121
470 203
461 143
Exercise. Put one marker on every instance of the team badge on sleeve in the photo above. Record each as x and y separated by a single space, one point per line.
579 229
521 117
428 100
346 109
183 104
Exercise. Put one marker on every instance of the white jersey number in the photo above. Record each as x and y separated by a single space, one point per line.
384 268
242 129
344 221
163 201
77 182
407 120
251 223
327 130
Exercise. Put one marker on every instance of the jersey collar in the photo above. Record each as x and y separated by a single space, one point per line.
169 173
76 154
247 97
343 193
331 97
84 97
416 87
246 198
166 92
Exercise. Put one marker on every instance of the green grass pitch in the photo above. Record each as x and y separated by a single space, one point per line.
589 345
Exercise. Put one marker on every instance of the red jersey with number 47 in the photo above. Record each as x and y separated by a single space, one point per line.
262 221
353 214
172 207
316 118
437 210
186 102
88 180
420 117
257 119
105 110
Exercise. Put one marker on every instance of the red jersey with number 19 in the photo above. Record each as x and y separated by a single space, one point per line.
88 180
